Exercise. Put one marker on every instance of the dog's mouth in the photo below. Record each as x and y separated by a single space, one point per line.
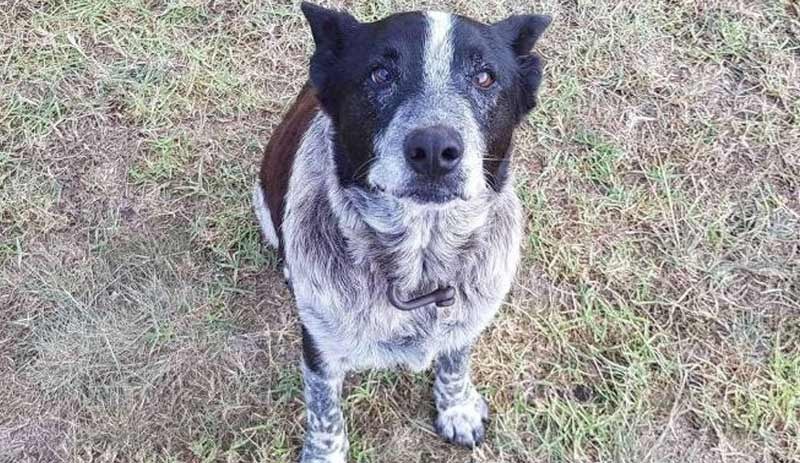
434 196
426 193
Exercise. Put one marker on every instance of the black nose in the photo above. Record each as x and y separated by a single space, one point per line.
434 151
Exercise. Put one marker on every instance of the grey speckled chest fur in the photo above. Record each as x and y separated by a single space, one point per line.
340 265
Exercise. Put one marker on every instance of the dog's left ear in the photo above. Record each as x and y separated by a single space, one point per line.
521 32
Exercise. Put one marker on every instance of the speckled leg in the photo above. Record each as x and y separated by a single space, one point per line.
326 439
461 411
326 436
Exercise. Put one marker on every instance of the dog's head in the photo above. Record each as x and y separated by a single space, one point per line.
424 104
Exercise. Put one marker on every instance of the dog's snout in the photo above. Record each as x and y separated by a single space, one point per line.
434 151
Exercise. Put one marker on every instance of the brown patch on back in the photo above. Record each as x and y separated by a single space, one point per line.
276 166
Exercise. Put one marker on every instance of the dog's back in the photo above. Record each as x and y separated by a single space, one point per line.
269 195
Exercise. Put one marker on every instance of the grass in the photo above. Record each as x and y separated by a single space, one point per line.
656 317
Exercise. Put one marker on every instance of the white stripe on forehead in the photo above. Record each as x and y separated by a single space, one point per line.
438 49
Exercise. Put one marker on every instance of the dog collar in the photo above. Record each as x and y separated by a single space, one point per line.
444 296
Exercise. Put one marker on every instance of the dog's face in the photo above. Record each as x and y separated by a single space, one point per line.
424 104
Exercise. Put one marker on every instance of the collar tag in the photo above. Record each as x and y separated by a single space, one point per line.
444 296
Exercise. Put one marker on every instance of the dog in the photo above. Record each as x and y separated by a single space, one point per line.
387 190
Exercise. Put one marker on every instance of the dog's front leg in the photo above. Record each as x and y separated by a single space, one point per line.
461 411
326 436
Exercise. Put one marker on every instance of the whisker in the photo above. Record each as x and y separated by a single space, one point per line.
364 166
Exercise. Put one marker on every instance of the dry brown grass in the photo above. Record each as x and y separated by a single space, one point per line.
656 318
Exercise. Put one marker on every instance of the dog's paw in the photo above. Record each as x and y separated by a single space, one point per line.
464 423
311 455
324 448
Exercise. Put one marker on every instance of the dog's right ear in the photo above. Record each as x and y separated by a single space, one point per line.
331 30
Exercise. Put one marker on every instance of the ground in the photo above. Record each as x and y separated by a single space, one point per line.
656 317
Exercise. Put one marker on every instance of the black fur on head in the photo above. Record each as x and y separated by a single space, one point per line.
363 108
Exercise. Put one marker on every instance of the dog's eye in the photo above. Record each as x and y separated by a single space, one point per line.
381 76
483 79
